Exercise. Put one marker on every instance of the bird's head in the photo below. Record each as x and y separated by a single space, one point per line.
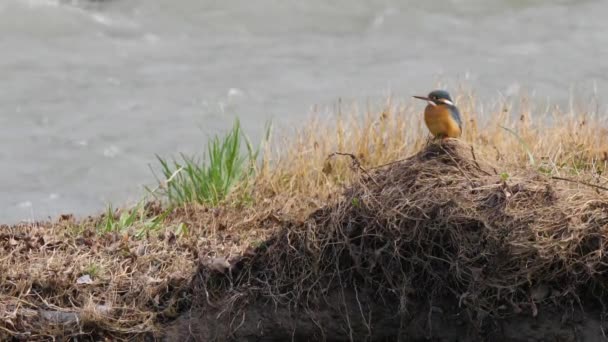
437 97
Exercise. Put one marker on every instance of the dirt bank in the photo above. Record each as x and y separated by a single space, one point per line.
441 246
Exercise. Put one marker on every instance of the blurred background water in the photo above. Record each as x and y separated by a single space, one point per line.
91 90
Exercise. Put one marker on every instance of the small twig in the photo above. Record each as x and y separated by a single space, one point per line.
315 322
350 328
365 322
389 163
476 163
580 182
240 324
355 161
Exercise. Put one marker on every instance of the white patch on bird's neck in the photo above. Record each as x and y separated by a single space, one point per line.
448 102
432 103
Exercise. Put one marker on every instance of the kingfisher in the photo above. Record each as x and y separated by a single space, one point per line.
441 116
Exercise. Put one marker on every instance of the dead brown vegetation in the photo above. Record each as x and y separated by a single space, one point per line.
441 226
500 240
58 281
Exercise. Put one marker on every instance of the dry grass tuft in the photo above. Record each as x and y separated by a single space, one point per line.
562 143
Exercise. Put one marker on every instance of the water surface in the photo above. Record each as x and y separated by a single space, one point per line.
90 91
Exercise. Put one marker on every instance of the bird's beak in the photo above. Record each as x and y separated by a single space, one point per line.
426 99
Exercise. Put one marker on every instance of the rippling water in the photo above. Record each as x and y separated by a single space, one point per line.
90 91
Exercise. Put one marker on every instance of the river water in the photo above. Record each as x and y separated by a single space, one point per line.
90 91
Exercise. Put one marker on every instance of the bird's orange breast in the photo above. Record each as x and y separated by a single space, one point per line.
440 121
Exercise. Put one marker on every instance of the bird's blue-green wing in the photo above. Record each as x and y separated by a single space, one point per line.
456 115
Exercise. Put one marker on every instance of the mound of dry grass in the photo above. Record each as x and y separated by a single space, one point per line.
441 224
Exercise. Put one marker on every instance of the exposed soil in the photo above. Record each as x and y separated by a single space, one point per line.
370 320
